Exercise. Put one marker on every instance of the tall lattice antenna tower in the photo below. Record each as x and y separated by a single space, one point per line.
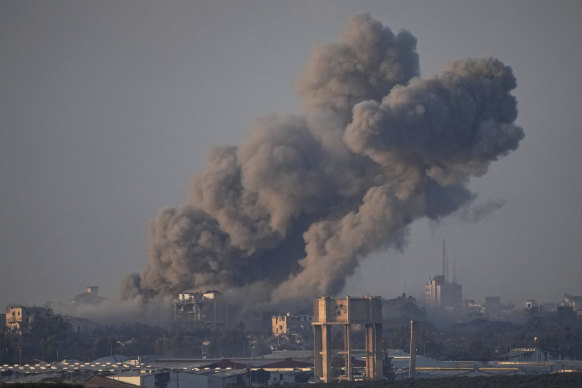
445 262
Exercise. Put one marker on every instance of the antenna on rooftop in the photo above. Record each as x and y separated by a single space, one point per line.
445 262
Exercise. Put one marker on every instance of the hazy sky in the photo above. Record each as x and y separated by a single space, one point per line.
109 108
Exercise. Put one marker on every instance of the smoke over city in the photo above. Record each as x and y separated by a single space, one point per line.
288 214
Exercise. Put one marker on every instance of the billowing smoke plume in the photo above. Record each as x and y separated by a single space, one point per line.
288 214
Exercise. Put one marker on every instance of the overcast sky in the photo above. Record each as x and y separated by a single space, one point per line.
109 108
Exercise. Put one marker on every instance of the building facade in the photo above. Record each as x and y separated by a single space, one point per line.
90 297
20 319
194 308
290 324
443 294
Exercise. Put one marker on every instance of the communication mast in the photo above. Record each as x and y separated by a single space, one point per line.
445 262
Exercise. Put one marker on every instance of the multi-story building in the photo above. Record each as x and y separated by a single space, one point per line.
20 319
290 324
195 308
440 293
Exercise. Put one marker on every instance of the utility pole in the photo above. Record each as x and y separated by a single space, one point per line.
412 363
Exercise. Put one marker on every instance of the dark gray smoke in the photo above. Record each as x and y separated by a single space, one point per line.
288 214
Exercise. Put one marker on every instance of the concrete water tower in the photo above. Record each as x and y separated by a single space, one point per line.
344 312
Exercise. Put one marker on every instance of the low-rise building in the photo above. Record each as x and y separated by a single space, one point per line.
167 379
400 309
20 319
531 306
90 297
573 301
494 309
290 324
529 355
